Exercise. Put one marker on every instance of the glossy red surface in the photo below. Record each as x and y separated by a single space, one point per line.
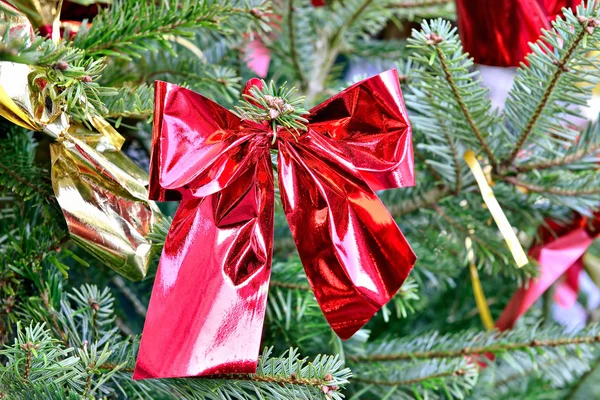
208 303
554 7
561 251
497 32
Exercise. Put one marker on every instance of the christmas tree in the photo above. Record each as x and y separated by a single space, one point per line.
74 295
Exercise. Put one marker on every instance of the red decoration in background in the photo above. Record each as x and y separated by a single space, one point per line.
207 307
71 16
317 3
561 252
554 7
497 32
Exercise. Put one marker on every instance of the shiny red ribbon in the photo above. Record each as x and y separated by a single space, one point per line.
208 303
498 32
560 253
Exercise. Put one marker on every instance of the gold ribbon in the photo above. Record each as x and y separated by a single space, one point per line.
480 300
101 192
494 207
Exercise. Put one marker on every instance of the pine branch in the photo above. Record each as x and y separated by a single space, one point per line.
135 24
457 167
561 67
426 200
540 116
551 190
463 107
475 343
438 50
420 380
583 380
410 382
293 48
131 101
560 162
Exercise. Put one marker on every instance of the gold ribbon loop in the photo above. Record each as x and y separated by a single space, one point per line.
480 300
492 204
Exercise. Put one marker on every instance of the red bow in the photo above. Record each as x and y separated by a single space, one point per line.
208 303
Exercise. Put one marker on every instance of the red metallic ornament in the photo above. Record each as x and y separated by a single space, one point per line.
498 32
317 3
208 303
561 252
554 7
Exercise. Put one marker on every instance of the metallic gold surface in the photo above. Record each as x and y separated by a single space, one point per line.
494 207
480 300
105 207
101 191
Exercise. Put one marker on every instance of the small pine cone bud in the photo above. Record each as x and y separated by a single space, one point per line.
293 376
328 377
61 66
270 100
37 346
95 306
434 38
325 389
288 109
279 103
582 19
86 79
590 29
255 12
273 113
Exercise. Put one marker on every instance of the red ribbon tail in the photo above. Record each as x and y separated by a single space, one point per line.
208 303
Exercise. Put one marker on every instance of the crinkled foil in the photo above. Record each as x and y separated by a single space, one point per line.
105 206
101 191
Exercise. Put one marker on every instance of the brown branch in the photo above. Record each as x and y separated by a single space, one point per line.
472 351
408 382
555 191
432 170
162 29
571 158
139 308
456 164
281 380
561 66
27 370
44 295
464 109
88 386
25 182
427 200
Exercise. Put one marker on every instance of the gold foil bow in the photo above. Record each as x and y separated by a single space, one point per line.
101 192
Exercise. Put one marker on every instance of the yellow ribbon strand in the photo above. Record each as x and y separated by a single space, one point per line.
480 300
492 204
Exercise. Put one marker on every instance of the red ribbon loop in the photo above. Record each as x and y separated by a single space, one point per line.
209 298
